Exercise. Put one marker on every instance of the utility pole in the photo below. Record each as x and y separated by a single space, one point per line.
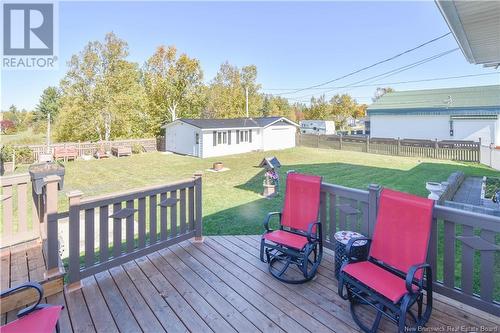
246 98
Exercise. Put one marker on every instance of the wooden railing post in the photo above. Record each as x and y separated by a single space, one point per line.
399 146
50 234
198 224
74 198
436 148
373 193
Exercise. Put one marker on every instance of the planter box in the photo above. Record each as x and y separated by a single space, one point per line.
41 170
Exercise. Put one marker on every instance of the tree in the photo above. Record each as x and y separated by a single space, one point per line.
226 93
379 92
173 86
319 109
102 97
48 104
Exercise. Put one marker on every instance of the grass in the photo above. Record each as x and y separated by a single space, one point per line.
492 186
231 201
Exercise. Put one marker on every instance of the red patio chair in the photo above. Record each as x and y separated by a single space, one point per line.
392 278
297 243
37 318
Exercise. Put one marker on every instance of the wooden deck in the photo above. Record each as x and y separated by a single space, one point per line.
219 285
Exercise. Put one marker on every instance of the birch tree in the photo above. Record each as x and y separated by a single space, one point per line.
173 85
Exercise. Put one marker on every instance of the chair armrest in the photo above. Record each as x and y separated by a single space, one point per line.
26 285
268 218
313 235
350 244
410 276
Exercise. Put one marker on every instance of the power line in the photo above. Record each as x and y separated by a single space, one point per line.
372 65
385 74
397 82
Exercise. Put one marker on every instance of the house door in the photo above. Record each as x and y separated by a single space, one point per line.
196 148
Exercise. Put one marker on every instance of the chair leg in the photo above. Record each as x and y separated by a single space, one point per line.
364 328
262 242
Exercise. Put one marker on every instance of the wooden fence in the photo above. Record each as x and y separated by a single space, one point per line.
20 220
458 240
447 150
90 148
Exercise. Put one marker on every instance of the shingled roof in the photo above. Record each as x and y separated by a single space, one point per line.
235 122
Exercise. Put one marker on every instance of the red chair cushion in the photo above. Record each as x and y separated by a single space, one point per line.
287 238
402 231
39 321
386 283
301 201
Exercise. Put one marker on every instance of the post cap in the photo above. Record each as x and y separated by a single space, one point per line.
75 193
197 174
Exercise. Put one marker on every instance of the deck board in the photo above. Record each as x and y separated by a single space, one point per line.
219 285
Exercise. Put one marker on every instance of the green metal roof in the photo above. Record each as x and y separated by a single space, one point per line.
481 99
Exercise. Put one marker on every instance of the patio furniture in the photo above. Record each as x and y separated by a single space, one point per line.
294 251
359 249
121 151
40 318
394 276
65 153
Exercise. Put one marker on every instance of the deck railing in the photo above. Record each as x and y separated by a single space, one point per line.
109 230
462 248
447 150
20 221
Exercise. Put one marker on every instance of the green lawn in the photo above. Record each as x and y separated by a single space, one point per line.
27 137
231 201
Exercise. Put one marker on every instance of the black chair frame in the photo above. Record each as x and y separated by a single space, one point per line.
33 307
272 253
360 294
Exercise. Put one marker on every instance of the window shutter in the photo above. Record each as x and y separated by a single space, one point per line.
228 137
250 136
237 136
215 138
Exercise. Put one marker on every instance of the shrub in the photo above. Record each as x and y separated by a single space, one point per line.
136 148
24 155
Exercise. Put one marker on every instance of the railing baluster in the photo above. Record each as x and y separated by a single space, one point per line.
130 227
467 261
22 205
117 231
152 219
89 237
142 221
103 233
182 207
333 218
449 254
173 215
191 208
74 235
322 213
7 210
163 217
487 267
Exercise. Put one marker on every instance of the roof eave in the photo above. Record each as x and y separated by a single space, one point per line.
285 119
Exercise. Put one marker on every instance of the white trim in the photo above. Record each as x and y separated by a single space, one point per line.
285 119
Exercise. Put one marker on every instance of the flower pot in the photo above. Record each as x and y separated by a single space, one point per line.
269 191
218 166
39 171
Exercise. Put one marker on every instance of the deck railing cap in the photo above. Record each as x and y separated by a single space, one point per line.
75 193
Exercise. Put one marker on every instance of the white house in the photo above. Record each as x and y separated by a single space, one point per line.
218 137
325 127
468 113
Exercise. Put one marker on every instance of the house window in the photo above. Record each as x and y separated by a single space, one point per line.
244 136
222 138
197 138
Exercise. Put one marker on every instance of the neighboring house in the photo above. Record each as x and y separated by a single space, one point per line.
468 113
218 137
324 127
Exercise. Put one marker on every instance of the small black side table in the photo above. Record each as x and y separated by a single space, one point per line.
359 249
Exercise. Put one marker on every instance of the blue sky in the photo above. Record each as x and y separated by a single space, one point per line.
293 44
